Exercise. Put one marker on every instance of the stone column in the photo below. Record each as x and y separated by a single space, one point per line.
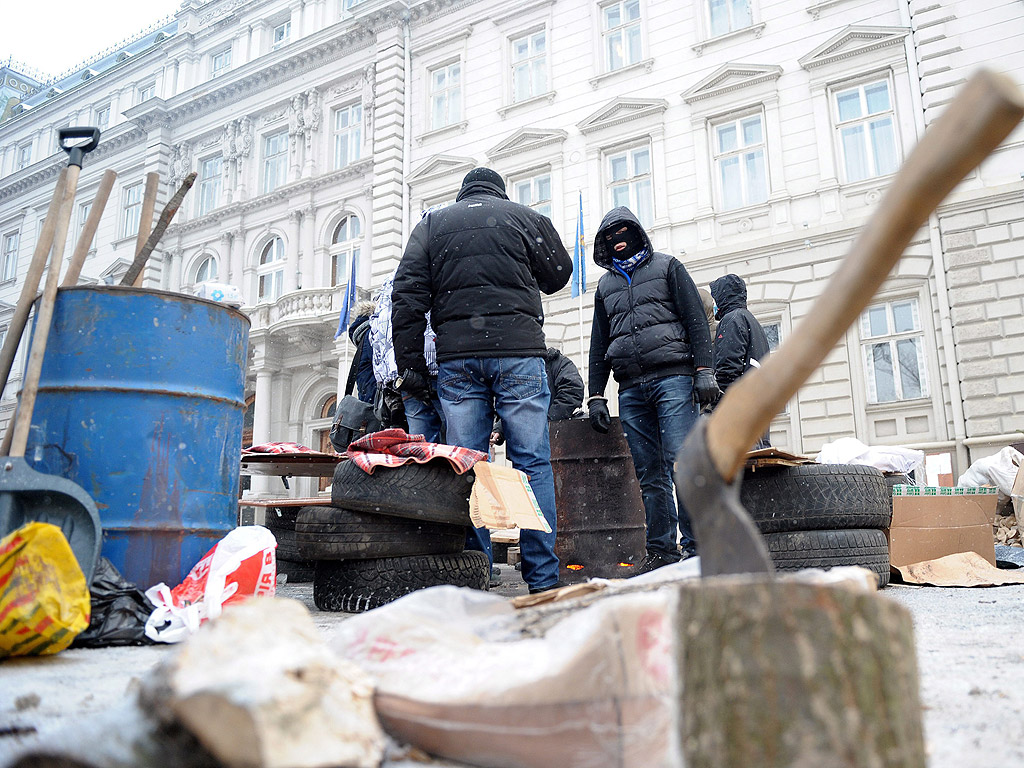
307 267
293 253
263 485
172 79
236 262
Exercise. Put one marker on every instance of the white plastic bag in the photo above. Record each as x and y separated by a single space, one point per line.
239 566
999 470
887 458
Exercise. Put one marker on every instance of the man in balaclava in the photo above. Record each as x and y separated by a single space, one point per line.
740 343
651 333
479 266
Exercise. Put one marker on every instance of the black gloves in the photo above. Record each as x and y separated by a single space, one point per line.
411 382
600 419
705 387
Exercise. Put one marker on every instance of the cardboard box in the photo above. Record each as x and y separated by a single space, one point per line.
502 498
929 523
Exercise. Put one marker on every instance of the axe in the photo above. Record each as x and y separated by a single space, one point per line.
707 468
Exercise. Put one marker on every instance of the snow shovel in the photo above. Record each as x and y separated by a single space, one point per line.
27 495
708 465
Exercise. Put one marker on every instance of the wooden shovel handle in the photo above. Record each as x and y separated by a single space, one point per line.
89 229
35 271
982 115
44 314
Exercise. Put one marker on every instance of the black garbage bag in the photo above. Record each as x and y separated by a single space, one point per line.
119 611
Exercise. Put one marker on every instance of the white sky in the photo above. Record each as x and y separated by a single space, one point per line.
55 35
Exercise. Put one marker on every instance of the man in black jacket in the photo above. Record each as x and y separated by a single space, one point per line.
650 331
740 342
479 266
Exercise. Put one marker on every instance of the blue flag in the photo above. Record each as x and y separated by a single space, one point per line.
579 258
349 301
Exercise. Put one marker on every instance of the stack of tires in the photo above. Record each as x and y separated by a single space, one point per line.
388 534
822 515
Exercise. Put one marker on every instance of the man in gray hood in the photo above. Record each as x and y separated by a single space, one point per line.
651 333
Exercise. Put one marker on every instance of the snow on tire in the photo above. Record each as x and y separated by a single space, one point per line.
813 497
794 550
330 533
354 586
434 491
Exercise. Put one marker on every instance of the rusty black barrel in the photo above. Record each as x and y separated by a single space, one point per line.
601 529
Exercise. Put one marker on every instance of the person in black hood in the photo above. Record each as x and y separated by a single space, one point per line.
366 384
650 331
740 342
479 266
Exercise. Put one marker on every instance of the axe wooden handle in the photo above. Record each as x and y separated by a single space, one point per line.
984 113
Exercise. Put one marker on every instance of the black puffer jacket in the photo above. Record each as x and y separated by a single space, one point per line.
478 266
649 325
740 338
565 383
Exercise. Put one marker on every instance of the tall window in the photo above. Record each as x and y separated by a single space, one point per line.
207 270
83 214
271 271
622 44
348 135
24 156
740 162
350 4
893 345
445 95
210 173
728 15
275 161
281 34
103 117
10 255
344 246
145 92
773 330
867 132
630 185
534 192
220 62
132 210
529 66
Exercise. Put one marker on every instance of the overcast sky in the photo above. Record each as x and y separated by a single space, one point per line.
55 35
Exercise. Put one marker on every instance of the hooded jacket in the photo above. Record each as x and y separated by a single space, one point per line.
565 383
478 266
649 324
740 338
366 384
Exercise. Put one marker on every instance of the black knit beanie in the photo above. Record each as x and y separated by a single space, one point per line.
485 174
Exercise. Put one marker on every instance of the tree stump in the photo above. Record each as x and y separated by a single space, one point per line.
780 674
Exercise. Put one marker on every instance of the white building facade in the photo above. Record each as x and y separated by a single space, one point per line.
750 136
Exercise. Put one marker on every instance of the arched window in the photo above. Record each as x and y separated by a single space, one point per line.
328 409
207 269
345 249
271 271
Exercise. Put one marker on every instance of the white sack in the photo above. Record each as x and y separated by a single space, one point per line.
999 470
887 458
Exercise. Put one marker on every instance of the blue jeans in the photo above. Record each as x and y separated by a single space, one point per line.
425 418
472 390
657 415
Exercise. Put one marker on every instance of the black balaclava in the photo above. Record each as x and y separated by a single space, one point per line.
632 240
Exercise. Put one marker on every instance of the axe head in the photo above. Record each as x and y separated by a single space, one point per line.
727 539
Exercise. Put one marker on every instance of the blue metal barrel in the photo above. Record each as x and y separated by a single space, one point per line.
140 403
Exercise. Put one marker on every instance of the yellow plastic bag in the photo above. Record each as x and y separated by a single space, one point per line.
44 600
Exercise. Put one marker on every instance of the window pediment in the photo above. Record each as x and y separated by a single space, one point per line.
851 42
732 77
440 166
524 140
619 111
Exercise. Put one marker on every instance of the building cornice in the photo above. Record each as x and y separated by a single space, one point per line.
732 77
49 168
354 170
853 41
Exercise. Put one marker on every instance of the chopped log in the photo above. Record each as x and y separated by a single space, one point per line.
259 688
783 674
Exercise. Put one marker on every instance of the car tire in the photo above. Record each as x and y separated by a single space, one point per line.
433 492
330 533
817 497
354 586
297 571
867 548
